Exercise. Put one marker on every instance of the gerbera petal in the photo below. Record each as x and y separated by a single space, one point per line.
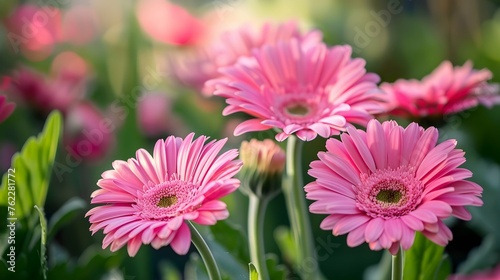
393 229
182 240
348 223
133 246
356 236
250 125
374 229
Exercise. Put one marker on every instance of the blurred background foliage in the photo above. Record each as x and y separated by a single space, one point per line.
113 58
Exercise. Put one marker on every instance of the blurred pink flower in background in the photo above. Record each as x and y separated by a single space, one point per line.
48 93
88 133
148 199
383 185
300 88
154 115
69 66
6 108
492 274
80 25
446 90
34 30
169 23
197 66
32 88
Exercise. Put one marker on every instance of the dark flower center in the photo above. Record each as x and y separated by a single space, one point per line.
167 201
297 110
389 196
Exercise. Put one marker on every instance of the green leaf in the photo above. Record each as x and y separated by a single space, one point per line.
254 275
64 215
43 244
26 183
425 260
232 238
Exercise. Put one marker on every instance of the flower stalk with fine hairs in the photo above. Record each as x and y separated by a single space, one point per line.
263 164
297 207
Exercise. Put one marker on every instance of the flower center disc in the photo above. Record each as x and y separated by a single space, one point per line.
297 110
389 193
167 201
389 196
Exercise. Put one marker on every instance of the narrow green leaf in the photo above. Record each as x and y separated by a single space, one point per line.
48 146
423 260
31 170
64 215
43 244
254 275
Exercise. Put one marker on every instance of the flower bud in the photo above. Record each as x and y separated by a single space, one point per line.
263 164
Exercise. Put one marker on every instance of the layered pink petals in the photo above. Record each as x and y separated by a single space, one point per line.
195 68
383 185
148 198
446 90
300 88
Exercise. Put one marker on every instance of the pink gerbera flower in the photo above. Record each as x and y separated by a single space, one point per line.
383 185
300 88
149 198
446 90
195 69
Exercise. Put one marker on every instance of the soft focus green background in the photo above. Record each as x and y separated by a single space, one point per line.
409 44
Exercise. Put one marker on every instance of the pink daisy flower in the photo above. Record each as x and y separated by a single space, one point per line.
383 185
196 68
300 88
148 199
446 90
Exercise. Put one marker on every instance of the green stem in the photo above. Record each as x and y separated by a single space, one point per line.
397 265
205 253
256 214
298 213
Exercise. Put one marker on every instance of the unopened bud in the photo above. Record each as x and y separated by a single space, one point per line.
263 164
